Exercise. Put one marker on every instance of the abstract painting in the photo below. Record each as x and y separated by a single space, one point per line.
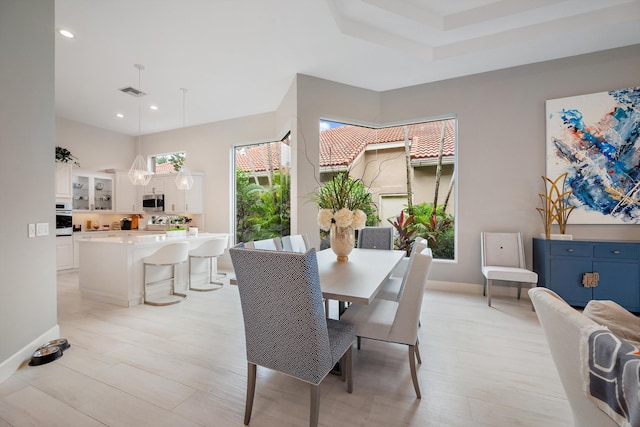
595 138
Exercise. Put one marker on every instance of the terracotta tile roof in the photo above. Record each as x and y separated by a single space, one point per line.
342 145
258 155
165 168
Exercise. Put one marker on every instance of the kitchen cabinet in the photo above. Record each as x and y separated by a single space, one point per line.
64 174
178 201
92 192
64 252
128 197
580 270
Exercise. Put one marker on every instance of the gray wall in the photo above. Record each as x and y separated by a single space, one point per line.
27 126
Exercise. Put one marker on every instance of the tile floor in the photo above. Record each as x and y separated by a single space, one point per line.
184 365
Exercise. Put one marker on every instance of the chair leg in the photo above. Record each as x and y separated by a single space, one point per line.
315 405
346 363
519 288
418 358
412 366
358 341
488 285
251 391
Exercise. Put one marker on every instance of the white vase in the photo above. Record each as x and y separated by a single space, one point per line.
342 240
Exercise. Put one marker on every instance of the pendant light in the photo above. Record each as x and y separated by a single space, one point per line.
184 180
139 173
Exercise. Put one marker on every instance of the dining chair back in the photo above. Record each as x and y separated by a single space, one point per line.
295 243
285 325
266 244
396 321
375 238
392 288
503 259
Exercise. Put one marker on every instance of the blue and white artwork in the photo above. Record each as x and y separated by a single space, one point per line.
595 138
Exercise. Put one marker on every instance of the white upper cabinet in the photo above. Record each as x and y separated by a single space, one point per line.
64 174
92 192
178 201
128 197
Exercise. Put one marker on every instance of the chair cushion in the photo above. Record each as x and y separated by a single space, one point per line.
341 336
615 317
512 274
374 320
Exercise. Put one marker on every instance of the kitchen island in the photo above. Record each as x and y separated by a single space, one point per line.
111 268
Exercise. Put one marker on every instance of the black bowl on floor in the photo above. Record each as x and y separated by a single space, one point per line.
45 355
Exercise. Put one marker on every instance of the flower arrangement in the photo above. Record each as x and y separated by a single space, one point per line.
341 202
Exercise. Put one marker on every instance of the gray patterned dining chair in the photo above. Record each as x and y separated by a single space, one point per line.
285 325
375 238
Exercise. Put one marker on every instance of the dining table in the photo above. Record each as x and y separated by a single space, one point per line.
359 279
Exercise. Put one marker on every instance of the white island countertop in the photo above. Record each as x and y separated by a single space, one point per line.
111 267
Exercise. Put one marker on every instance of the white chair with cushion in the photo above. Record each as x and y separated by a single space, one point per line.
209 250
170 255
375 238
563 327
392 288
266 244
285 326
295 243
503 259
396 321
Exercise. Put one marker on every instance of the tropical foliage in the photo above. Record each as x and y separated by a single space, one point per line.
262 212
405 228
437 227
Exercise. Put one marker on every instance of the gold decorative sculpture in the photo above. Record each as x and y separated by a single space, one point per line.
554 204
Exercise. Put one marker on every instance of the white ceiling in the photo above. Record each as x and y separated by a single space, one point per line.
239 57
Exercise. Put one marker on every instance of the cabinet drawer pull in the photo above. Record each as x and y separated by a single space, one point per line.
615 252
570 250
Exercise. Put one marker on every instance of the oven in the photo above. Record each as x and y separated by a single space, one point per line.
64 223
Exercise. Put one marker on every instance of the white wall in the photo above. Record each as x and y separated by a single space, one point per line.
28 309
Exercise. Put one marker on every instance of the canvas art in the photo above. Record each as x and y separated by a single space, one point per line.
595 138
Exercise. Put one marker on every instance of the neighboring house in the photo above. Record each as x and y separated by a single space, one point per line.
377 156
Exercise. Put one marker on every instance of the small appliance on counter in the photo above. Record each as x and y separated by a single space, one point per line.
125 224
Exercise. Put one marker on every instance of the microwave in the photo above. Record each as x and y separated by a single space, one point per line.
153 202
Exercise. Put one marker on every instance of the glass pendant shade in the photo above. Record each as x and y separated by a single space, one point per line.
139 174
184 180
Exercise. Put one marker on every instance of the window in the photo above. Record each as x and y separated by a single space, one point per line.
406 168
262 190
168 163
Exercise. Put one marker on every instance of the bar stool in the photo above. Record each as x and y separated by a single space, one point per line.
169 255
210 249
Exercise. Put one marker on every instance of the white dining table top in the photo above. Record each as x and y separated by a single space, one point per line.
358 279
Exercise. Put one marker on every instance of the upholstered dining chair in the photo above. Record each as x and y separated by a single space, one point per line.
391 289
295 243
266 244
285 326
503 259
396 321
375 238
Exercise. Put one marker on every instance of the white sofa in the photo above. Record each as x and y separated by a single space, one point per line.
563 326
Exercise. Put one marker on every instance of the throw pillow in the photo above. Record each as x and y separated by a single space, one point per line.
615 317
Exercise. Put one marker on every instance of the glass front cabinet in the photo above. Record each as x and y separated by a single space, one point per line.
92 192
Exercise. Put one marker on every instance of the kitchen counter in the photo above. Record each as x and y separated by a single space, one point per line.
111 267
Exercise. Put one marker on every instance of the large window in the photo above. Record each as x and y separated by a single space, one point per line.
262 191
408 168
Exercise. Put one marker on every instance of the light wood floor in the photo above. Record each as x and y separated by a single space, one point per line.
184 365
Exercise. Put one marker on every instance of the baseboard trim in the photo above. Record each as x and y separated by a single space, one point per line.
22 356
498 288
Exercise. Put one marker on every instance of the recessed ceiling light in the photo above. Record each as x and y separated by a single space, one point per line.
119 115
66 33
154 107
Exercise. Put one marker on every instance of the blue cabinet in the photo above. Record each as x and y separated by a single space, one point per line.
562 264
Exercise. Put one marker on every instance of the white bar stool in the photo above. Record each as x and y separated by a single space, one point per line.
210 249
169 255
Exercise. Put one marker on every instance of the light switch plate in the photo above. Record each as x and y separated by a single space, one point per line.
42 229
32 230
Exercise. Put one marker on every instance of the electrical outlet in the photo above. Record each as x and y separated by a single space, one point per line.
42 229
32 230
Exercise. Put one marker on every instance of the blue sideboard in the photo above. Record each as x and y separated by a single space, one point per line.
561 266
